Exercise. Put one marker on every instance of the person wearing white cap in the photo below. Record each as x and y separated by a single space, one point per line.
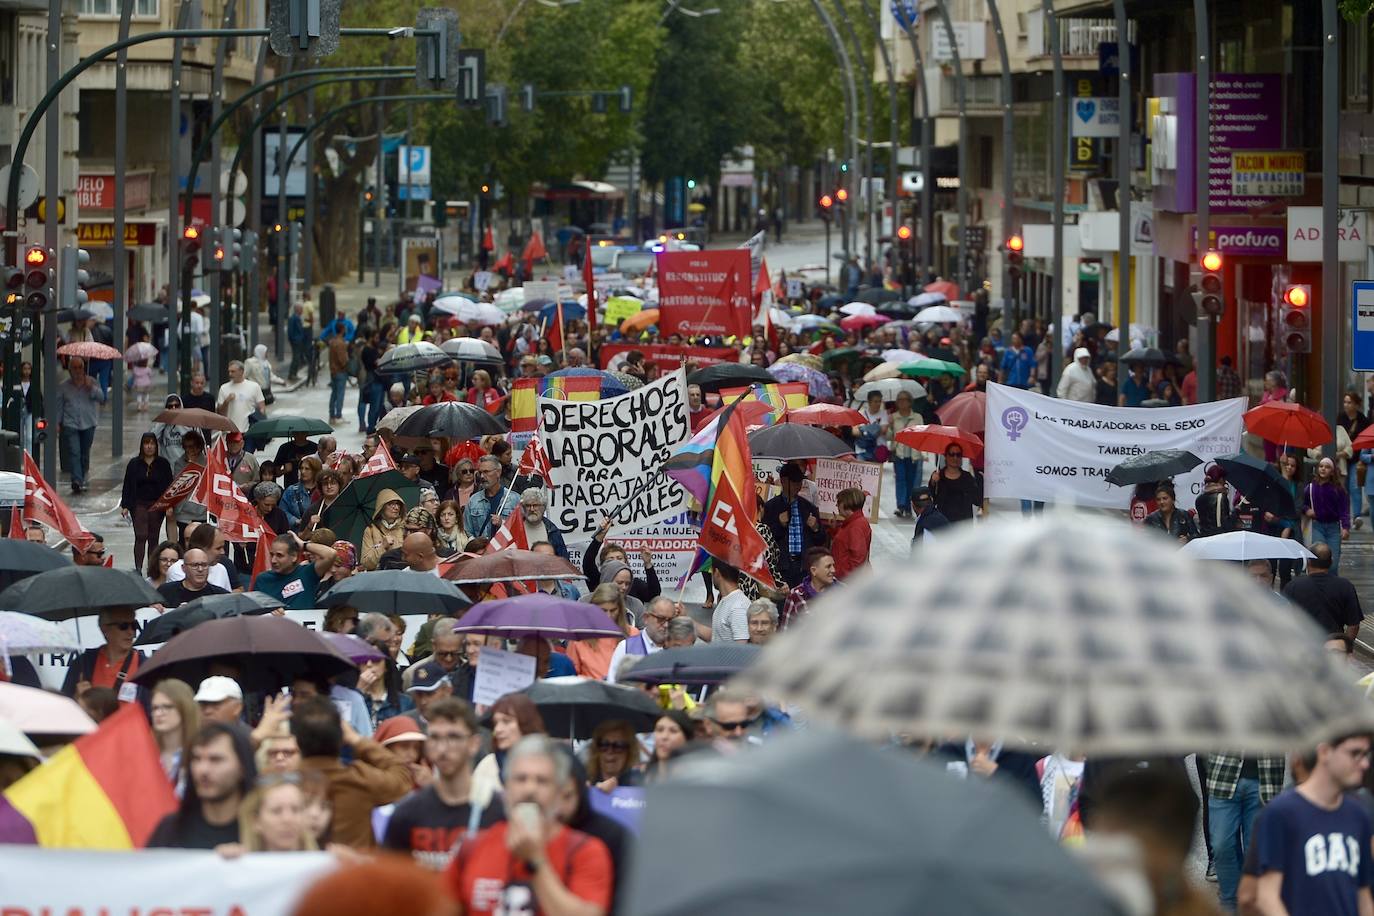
220 699
1078 382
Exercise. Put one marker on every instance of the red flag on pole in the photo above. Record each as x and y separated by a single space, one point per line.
43 504
224 500
534 462
727 529
534 248
381 460
261 562
17 524
589 280
512 534
488 243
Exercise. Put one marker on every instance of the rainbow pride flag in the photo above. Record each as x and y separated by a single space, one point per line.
525 392
106 790
781 396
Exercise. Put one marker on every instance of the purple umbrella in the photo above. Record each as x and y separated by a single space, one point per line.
358 651
539 614
817 384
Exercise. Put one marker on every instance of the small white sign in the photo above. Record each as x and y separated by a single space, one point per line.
481 280
541 289
1097 116
500 673
971 36
1305 234
1364 310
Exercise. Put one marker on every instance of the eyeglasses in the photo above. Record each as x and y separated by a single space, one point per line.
660 618
612 746
453 654
123 626
739 726
197 565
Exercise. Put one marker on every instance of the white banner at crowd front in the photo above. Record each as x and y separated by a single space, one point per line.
671 542
609 454
1060 451
38 881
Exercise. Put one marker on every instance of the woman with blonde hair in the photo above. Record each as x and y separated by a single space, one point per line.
615 757
272 819
592 657
176 719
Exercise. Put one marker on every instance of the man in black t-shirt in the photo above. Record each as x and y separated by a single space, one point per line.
1329 599
431 823
289 455
195 585
221 773
198 396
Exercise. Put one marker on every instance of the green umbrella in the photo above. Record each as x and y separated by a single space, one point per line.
352 512
840 355
927 367
282 427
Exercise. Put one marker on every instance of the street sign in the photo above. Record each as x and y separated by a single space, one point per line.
28 184
1305 234
1362 326
295 174
472 77
303 28
1096 116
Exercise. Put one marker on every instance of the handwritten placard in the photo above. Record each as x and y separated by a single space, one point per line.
500 673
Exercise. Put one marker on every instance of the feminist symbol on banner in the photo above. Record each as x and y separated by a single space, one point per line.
1014 420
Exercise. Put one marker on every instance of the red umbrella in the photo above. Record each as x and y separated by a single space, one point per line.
1364 440
1287 424
948 288
828 415
967 411
938 438
89 349
860 322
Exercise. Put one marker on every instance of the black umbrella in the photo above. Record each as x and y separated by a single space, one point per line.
875 294
574 707
148 312
411 357
284 427
78 591
897 841
1150 356
1260 483
350 514
1152 467
693 665
21 559
1096 327
65 315
202 610
397 591
729 375
265 654
453 420
898 310
794 441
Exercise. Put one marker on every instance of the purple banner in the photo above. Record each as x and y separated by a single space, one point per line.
1244 113
1262 241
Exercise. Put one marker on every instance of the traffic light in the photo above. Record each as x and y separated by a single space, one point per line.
14 286
74 276
827 203
841 195
39 277
295 242
904 233
844 166
190 249
599 102
248 251
232 240
496 104
305 28
436 57
219 251
1016 255
1296 316
1209 297
691 184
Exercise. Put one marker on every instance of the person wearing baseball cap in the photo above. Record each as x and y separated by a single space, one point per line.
429 682
1077 383
220 699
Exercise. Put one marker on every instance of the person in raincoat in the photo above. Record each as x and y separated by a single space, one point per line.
386 531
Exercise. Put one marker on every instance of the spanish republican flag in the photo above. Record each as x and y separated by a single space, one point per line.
105 791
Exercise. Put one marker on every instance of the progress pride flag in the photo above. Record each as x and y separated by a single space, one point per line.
704 292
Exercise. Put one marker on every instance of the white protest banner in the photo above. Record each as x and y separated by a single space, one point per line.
40 881
505 672
833 475
671 542
1061 451
607 456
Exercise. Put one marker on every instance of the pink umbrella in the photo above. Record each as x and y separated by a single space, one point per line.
89 349
38 712
860 322
140 351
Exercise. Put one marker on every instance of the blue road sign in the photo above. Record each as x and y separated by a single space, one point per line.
1362 326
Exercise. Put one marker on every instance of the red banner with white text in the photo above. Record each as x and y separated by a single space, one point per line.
665 358
704 293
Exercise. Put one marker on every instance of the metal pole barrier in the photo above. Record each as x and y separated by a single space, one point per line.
1331 265
927 172
308 230
121 280
961 273
1057 165
1008 188
172 359
380 207
1123 175
1206 324
218 218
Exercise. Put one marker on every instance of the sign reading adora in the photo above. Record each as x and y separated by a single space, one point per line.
1061 451
606 457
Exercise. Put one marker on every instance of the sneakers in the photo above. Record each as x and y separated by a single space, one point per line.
1211 871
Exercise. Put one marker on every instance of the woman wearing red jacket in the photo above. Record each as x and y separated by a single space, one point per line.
854 537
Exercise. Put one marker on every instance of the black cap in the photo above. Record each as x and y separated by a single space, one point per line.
428 677
919 493
409 458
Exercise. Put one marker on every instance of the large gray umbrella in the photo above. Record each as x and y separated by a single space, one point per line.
1065 631
77 591
815 823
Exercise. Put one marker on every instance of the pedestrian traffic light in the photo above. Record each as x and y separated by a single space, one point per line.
496 104
1209 296
304 28
1296 317
190 249
1016 255
248 251
844 166
39 278
74 276
826 202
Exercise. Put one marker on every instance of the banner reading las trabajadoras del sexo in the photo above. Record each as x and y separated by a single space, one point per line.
1061 451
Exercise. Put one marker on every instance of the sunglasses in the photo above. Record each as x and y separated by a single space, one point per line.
612 746
739 726
123 626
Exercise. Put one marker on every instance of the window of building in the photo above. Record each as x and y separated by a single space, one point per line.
142 8
1355 58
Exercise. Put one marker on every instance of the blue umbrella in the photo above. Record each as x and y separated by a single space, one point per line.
817 383
571 310
610 385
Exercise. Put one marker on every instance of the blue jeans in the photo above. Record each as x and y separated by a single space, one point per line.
375 399
77 444
338 383
909 471
1229 821
1328 533
1356 494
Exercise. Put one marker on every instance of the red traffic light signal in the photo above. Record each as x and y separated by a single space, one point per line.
904 233
1016 243
1296 317
827 201
842 195
1297 295
1211 261
36 257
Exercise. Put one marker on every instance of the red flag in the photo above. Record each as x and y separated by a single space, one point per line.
512 534
534 462
380 461
218 493
762 283
488 243
17 523
109 561
506 263
589 280
43 504
261 562
534 249
727 528
185 483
